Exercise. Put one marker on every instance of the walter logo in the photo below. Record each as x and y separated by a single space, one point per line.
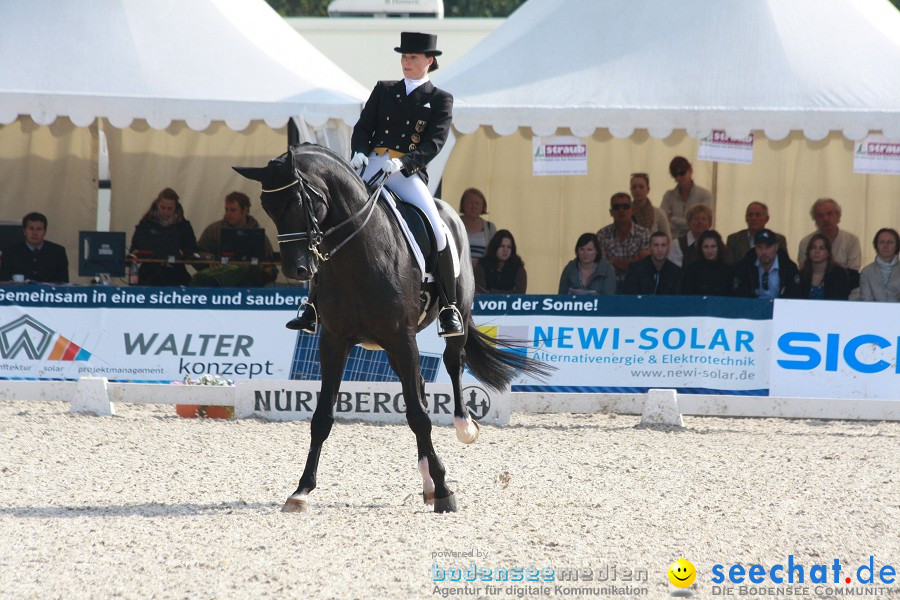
28 338
477 401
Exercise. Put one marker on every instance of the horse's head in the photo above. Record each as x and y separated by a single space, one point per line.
297 209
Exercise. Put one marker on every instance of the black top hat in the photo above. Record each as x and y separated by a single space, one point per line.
418 43
765 237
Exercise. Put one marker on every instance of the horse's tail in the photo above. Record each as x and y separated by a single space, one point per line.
497 362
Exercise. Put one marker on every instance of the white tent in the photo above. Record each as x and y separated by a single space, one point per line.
809 65
642 80
179 90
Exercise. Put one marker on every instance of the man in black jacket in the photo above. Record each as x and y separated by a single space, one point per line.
655 274
768 272
35 259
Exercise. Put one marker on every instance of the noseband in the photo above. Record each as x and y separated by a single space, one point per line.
314 235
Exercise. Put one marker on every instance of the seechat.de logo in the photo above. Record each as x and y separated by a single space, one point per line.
682 573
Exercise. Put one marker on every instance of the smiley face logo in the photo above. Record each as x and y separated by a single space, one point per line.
682 573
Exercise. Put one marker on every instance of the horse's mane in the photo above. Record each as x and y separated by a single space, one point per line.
313 151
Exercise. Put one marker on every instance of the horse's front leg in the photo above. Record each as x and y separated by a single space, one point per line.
404 359
467 429
332 355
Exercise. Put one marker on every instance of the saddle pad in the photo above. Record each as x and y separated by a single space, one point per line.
414 247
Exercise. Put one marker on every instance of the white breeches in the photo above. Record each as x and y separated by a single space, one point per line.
413 190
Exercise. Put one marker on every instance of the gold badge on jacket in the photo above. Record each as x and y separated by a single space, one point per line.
420 126
416 138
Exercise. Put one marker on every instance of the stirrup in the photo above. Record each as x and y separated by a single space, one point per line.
448 332
302 324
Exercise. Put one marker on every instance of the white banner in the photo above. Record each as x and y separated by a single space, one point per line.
558 156
720 148
833 352
296 400
878 155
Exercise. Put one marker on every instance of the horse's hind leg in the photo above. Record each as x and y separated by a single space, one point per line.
466 428
404 360
333 355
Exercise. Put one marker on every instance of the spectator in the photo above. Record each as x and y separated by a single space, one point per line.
766 273
880 281
623 241
644 213
589 272
740 243
684 195
820 278
845 247
685 249
237 215
34 258
501 270
708 275
655 274
472 205
165 212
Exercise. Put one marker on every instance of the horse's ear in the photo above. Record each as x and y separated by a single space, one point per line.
293 134
254 173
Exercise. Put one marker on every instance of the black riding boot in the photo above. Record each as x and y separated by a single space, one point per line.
449 319
307 316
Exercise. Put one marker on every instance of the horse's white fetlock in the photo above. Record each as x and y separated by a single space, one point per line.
467 429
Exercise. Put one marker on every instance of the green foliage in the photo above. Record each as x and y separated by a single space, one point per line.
452 8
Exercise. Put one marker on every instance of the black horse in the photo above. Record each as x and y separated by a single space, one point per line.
369 292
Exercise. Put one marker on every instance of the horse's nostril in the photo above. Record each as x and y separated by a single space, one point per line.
302 272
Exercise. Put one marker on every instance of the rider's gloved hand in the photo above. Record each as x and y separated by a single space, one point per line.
359 161
391 166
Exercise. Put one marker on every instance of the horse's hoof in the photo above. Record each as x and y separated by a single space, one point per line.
445 505
467 430
428 498
295 504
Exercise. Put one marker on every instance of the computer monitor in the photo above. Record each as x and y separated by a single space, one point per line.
242 243
155 241
101 253
10 233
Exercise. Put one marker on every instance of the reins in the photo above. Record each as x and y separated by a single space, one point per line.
314 234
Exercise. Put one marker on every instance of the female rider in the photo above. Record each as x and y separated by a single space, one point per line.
402 127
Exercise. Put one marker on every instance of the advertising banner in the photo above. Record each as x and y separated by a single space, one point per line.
832 352
877 155
632 344
142 334
558 156
381 402
719 147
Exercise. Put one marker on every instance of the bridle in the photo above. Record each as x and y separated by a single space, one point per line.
314 235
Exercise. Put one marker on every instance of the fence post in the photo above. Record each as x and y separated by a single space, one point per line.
92 397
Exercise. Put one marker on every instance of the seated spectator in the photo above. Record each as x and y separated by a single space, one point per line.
501 270
685 249
472 205
166 212
708 275
766 273
237 215
589 272
820 278
623 241
685 194
845 247
34 258
643 212
880 281
655 274
740 243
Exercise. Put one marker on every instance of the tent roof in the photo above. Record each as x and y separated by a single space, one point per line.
772 65
164 60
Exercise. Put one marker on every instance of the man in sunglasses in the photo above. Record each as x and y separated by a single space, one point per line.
623 241
767 272
685 194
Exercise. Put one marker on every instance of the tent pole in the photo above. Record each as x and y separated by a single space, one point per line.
715 186
104 187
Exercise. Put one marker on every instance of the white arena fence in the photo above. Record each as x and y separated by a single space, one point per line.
295 400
